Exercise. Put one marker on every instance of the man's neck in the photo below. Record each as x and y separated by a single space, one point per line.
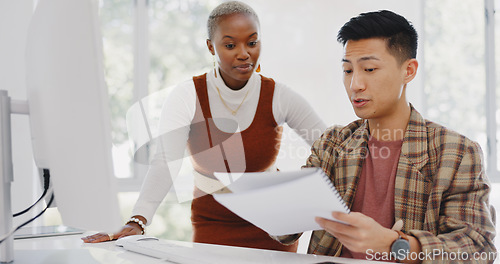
390 128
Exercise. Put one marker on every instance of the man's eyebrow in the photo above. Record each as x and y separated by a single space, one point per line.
362 59
368 58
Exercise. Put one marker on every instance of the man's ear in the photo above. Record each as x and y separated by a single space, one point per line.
411 70
210 46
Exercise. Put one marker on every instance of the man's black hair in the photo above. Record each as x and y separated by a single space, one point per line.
400 35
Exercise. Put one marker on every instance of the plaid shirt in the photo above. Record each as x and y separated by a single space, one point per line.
441 190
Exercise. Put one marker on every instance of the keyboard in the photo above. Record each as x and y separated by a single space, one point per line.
172 251
182 252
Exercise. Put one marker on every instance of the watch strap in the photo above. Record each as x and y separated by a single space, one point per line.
403 235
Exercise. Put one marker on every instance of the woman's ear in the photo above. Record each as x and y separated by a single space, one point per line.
411 70
210 46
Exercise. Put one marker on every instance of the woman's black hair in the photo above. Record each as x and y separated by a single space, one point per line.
225 9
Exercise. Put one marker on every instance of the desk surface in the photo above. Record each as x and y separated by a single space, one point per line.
70 249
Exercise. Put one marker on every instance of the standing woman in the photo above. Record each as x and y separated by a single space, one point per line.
230 119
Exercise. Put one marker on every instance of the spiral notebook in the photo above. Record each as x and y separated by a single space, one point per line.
281 203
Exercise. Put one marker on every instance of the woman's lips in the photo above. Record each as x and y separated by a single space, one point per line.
244 68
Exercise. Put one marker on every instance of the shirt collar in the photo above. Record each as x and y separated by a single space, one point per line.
226 92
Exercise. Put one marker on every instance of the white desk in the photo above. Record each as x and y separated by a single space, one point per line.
70 249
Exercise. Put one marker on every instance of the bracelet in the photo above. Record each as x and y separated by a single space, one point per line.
139 222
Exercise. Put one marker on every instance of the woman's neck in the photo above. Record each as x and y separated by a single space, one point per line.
232 84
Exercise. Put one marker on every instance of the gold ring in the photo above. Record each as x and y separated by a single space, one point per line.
111 236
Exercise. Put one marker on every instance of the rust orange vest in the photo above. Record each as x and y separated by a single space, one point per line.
251 150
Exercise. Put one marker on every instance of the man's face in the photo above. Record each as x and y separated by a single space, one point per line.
374 79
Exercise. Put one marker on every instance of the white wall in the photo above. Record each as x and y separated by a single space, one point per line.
14 21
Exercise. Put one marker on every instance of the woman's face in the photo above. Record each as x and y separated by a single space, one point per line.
236 46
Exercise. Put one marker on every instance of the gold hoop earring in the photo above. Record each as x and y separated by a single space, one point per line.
215 67
258 68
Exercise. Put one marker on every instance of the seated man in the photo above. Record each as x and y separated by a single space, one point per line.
417 190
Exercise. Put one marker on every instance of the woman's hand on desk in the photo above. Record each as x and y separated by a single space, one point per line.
129 229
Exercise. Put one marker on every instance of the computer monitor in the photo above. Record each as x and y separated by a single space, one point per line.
69 112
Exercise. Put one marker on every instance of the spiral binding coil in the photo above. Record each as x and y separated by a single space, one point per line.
332 186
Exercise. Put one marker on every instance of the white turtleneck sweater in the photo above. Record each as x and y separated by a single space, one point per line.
178 112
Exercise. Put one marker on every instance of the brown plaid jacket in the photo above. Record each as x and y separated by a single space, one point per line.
441 190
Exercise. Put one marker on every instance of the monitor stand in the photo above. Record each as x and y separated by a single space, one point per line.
7 107
6 178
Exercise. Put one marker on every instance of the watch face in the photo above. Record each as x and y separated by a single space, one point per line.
400 249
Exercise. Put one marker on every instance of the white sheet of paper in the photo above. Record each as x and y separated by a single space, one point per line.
282 203
240 182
